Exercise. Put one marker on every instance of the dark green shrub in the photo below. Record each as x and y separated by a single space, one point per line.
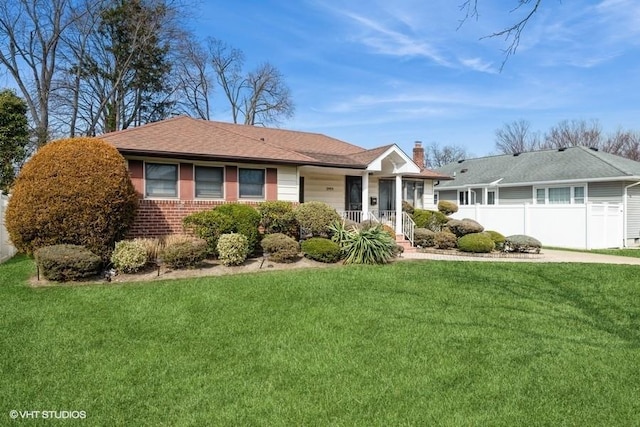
209 226
370 246
423 237
432 220
321 249
278 217
445 240
67 262
447 207
522 243
476 243
280 247
72 191
463 227
233 249
316 217
246 221
497 238
183 251
129 256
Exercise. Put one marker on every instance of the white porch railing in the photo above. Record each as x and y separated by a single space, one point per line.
383 217
408 226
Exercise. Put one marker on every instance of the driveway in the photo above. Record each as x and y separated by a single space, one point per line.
547 255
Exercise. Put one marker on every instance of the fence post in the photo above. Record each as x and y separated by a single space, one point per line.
587 225
525 219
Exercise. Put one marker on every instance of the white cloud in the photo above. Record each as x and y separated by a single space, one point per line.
478 64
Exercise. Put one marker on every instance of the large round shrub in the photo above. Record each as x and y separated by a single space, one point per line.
445 240
432 220
209 226
476 243
447 207
462 227
497 238
72 191
321 249
246 221
277 216
315 218
423 237
280 247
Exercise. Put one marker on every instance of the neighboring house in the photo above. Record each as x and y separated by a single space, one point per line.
184 165
559 190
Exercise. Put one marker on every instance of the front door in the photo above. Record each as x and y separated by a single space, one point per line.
387 195
353 192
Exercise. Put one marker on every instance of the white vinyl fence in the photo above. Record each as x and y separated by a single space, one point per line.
590 226
6 248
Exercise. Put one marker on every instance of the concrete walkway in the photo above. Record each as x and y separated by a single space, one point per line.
546 255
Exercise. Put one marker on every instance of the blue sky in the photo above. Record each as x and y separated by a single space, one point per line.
374 72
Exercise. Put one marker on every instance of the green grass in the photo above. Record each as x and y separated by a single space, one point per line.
412 343
630 252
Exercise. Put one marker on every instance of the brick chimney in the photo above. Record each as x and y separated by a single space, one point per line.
418 154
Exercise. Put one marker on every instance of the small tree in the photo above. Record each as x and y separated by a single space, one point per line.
72 191
14 136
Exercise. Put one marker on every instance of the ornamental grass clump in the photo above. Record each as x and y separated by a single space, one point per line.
129 256
233 249
63 263
369 246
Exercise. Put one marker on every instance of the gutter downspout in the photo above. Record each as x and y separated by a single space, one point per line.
625 214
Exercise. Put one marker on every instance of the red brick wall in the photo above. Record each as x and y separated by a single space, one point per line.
157 218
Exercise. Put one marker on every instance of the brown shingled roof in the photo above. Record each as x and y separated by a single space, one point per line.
189 138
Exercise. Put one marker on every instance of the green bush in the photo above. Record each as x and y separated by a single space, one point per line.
369 246
522 243
432 220
209 226
445 240
315 218
278 217
321 249
233 249
246 221
447 207
497 238
476 243
72 191
183 251
129 256
423 237
67 262
280 247
463 227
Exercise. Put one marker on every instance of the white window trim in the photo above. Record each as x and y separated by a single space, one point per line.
144 175
264 185
224 181
572 190
473 197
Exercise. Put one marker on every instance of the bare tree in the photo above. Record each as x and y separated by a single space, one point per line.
516 137
194 77
512 33
260 96
437 156
623 143
569 133
30 34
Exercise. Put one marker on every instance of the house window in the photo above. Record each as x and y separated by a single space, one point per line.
412 192
161 180
467 197
209 182
251 183
578 195
491 197
559 195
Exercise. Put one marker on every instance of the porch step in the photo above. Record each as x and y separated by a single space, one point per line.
408 248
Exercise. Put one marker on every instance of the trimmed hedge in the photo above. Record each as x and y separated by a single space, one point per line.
321 249
445 240
72 191
315 218
233 249
497 238
476 243
183 251
447 207
67 262
424 237
432 220
246 221
280 247
522 243
129 256
464 226
278 217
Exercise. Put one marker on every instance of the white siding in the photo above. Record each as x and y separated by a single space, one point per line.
449 195
288 183
427 198
609 192
325 188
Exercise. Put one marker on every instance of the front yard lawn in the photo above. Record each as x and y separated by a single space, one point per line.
411 343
